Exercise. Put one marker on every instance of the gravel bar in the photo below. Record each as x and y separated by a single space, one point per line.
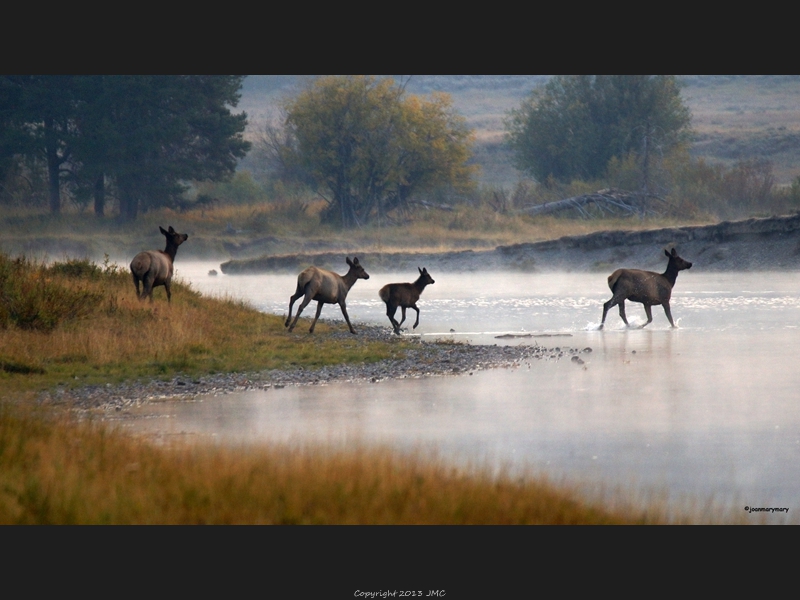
424 359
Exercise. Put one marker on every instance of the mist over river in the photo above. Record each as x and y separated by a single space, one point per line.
708 410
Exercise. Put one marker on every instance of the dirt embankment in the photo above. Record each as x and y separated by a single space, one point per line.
771 243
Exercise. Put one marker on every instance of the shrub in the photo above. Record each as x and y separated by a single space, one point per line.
32 298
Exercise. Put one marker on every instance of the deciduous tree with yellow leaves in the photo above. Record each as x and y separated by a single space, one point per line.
368 148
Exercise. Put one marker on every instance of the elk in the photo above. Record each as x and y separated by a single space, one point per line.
326 287
154 267
646 287
404 295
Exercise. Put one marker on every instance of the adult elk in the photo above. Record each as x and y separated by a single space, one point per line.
326 287
646 287
154 267
404 295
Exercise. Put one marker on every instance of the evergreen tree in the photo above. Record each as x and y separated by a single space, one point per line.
144 135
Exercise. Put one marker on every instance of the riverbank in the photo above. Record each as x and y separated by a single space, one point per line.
422 359
757 244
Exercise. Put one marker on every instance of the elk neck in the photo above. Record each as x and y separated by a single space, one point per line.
350 278
671 274
171 250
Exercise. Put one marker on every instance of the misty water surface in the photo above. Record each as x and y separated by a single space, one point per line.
707 410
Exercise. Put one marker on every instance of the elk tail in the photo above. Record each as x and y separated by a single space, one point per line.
612 279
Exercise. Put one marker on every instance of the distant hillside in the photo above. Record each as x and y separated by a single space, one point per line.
735 116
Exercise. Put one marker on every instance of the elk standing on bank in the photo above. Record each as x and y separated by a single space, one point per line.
155 267
404 295
646 287
326 287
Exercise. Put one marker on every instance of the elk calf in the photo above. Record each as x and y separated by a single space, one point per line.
155 267
326 287
404 295
646 287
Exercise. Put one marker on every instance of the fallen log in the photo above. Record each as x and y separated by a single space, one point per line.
607 200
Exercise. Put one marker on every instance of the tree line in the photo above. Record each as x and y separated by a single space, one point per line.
138 138
361 143
368 148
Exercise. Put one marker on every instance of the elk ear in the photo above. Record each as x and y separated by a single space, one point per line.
171 230
349 262
162 230
355 260
667 253
674 253
420 270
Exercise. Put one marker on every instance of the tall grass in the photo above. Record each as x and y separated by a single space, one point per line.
57 471
53 471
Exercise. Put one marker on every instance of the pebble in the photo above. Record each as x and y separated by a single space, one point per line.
423 359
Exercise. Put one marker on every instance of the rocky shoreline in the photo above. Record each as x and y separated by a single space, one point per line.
425 359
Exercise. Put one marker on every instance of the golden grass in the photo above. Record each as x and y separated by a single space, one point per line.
53 471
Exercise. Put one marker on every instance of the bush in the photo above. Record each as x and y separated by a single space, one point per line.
31 298
745 189
76 268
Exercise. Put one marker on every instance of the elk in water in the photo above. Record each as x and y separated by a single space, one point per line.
155 267
646 287
326 287
404 295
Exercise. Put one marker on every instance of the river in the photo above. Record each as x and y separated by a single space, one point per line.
707 411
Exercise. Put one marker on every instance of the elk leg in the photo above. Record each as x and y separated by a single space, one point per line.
300 308
136 285
669 313
346 318
390 311
606 308
649 313
414 306
147 291
622 312
169 292
403 310
298 292
314 322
